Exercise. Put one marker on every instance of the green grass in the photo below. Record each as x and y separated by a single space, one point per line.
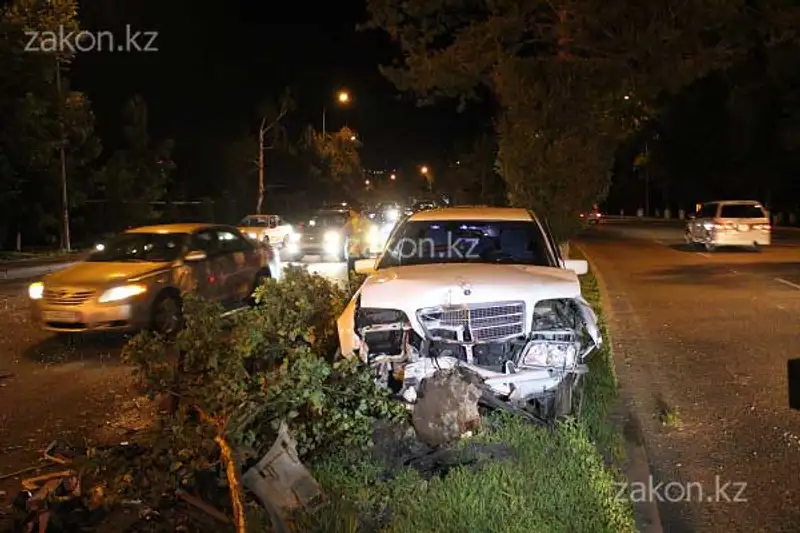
556 480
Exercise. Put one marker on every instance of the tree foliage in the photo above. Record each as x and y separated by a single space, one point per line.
33 112
137 174
238 379
336 161
472 178
560 72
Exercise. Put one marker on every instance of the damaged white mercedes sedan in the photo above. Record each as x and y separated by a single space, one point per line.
480 288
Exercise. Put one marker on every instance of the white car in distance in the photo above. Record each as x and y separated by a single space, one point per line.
480 288
729 223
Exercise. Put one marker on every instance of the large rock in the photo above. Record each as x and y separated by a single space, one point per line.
446 408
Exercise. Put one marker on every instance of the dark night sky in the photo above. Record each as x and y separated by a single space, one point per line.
216 61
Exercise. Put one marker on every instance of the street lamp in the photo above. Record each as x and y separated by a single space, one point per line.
353 138
393 177
343 98
424 169
366 182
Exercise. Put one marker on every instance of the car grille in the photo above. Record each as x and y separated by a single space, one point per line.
484 322
66 296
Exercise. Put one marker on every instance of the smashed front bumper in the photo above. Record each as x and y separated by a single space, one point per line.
524 369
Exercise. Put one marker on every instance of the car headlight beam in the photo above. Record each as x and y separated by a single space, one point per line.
123 292
36 290
332 236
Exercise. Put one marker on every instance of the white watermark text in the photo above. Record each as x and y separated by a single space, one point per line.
63 40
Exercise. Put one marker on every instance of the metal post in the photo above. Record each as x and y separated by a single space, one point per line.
324 112
65 238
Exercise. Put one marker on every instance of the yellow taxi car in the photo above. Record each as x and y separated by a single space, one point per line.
136 280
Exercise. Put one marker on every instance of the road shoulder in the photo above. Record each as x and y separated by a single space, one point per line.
636 465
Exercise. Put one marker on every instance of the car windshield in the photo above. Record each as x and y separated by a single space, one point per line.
329 220
145 247
464 241
742 211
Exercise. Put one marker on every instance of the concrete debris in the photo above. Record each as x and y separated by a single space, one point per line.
282 483
446 408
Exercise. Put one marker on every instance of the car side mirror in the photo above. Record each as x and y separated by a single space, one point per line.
365 266
195 255
579 266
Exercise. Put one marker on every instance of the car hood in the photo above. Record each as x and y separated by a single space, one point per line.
100 273
410 288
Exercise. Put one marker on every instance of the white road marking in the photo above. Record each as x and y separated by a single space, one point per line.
704 254
658 242
789 283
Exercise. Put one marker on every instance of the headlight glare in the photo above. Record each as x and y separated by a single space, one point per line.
123 292
36 290
332 236
294 237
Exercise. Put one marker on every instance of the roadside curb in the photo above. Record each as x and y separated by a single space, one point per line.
637 464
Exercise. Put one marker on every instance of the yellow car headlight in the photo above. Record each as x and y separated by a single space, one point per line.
123 292
36 290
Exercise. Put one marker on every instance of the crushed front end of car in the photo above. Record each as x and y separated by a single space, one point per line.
532 360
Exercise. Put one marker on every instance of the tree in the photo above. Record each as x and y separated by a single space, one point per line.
564 75
335 158
271 135
137 175
41 117
472 178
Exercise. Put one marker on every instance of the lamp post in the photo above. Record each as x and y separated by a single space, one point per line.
65 237
426 173
342 98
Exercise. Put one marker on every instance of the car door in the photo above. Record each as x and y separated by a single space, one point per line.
206 274
240 263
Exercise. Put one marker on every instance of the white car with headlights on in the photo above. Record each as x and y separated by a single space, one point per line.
729 223
481 288
137 279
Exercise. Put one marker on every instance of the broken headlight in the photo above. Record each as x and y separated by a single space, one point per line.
554 336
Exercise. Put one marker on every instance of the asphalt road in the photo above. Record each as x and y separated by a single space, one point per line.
51 389
707 336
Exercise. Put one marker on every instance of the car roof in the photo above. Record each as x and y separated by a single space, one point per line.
186 227
734 202
477 212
